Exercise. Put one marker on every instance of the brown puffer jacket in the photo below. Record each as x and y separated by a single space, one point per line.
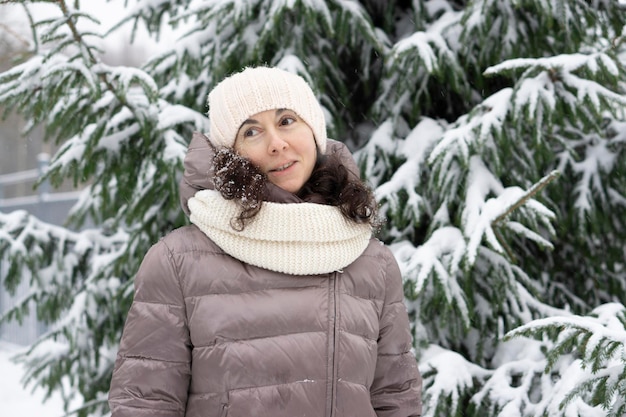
209 336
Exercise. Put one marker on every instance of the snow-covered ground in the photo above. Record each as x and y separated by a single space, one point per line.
17 401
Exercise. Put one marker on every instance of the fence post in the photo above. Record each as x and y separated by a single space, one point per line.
43 160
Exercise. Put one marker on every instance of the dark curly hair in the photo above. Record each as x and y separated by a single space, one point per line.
238 179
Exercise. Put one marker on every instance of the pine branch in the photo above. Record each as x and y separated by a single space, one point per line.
448 380
16 35
537 187
502 241
470 114
93 60
600 344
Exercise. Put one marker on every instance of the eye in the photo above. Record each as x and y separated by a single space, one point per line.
287 120
250 132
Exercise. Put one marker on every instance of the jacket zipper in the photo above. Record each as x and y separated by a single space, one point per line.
333 343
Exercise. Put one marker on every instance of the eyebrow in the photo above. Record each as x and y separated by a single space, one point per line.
253 121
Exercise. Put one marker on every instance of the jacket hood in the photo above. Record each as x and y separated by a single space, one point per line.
198 174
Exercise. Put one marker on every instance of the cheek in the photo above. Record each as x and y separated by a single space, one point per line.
313 150
308 145
311 160
249 153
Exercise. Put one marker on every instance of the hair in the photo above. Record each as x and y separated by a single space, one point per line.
238 179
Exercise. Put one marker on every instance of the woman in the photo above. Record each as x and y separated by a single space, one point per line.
276 301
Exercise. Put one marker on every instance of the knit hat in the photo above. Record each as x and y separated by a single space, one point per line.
258 89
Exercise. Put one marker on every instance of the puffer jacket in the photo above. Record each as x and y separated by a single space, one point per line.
210 336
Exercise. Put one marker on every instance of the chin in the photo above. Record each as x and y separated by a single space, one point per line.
289 188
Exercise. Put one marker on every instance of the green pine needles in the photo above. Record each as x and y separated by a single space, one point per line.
591 349
493 133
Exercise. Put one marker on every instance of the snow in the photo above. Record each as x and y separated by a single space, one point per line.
442 254
459 373
17 401
117 47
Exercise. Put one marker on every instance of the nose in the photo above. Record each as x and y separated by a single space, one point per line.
276 142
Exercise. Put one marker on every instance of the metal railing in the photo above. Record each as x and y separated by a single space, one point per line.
49 207
43 160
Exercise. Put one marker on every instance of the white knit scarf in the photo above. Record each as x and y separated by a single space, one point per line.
298 239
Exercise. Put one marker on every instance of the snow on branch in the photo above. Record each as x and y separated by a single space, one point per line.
481 215
592 91
382 141
449 379
439 258
419 44
360 22
20 83
408 176
604 330
126 77
414 64
599 343
75 279
598 158
594 160
564 62
472 131
56 255
517 384
550 80
65 68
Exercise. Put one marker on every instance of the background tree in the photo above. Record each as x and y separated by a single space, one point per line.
461 114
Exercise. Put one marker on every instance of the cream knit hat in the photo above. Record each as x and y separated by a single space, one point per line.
258 89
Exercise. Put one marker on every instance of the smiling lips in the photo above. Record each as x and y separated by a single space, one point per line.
283 167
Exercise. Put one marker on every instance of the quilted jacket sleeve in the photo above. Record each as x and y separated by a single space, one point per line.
152 370
397 387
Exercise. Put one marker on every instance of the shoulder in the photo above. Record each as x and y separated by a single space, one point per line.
380 251
176 261
377 262
382 259
180 244
188 239
374 275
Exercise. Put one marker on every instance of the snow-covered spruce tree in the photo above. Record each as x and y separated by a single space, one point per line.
125 143
531 88
461 113
482 106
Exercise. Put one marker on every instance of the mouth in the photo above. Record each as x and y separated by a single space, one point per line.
283 167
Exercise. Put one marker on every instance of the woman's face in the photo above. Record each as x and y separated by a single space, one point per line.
281 144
